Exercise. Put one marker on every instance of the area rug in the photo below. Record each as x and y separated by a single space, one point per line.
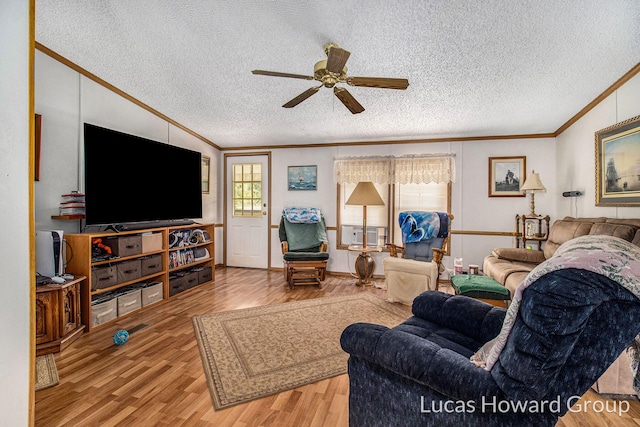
46 372
255 352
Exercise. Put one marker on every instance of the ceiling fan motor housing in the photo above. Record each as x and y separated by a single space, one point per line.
328 78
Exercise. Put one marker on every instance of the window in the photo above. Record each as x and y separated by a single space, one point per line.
434 197
406 183
380 219
247 189
350 218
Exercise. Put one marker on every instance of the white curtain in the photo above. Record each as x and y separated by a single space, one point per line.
352 170
412 169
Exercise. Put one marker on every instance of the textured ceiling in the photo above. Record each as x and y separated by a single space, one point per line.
475 68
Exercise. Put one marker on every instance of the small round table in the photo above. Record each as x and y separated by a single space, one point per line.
365 264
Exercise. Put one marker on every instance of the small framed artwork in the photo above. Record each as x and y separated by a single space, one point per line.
302 178
506 176
206 166
618 164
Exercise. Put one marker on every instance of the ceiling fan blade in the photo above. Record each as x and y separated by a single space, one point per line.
348 100
277 74
304 95
337 59
378 82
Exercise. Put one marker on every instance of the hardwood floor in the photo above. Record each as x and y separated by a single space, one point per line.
157 378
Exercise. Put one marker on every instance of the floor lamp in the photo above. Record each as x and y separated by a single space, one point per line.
365 194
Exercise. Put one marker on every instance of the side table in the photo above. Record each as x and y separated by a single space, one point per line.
365 264
532 228
58 321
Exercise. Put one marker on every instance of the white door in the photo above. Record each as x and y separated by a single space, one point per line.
247 219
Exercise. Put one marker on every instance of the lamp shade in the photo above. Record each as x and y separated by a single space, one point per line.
365 194
533 184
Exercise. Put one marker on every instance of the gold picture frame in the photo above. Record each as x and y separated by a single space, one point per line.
206 167
618 164
506 176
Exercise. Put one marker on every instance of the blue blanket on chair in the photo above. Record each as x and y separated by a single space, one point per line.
302 215
417 226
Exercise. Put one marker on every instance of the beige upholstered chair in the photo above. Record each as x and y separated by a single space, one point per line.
425 237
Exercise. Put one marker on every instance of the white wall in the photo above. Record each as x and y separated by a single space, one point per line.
575 154
472 208
564 163
66 100
15 182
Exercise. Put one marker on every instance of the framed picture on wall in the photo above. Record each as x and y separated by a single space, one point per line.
206 166
302 178
38 147
618 164
506 176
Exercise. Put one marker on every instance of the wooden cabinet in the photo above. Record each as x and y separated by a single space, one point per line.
58 316
532 228
161 259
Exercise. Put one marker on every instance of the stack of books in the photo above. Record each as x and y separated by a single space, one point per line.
72 204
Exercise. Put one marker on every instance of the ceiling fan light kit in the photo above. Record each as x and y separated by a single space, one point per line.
333 71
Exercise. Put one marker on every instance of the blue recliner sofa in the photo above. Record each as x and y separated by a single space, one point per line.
571 325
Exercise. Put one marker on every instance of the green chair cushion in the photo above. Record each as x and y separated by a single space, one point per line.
306 256
475 286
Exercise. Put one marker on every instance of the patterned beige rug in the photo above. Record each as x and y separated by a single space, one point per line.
252 353
46 372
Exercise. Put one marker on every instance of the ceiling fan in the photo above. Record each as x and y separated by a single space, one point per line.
331 72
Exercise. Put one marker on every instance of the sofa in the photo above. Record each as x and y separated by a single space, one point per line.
571 325
509 266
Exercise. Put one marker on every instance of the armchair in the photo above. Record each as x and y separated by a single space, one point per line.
572 323
425 238
304 244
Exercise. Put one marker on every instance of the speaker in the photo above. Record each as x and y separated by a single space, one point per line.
49 252
571 194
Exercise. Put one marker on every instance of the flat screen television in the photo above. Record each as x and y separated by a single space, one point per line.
132 179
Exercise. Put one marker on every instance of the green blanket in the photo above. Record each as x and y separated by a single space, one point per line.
304 236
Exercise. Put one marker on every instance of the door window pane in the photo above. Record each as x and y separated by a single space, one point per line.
247 189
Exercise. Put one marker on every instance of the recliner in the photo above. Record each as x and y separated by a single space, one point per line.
571 325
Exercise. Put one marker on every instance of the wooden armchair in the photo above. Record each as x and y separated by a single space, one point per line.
415 266
304 250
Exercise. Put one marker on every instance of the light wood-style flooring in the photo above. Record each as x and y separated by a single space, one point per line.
157 378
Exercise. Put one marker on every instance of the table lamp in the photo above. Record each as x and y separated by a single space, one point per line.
533 185
365 194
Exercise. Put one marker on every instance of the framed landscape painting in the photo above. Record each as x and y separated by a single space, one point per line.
618 164
506 176
302 178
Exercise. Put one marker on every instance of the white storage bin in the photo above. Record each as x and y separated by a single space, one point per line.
129 301
152 293
104 312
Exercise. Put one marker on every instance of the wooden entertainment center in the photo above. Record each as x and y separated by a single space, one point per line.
147 266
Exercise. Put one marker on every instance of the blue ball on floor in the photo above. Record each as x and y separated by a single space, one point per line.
120 337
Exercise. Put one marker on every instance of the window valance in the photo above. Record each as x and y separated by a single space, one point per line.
411 169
